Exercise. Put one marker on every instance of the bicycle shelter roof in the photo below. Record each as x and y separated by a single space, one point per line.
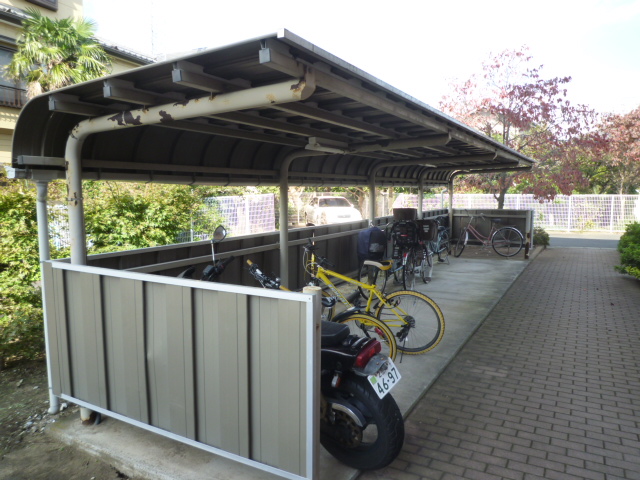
345 127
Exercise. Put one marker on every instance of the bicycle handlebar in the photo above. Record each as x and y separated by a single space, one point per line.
320 260
263 279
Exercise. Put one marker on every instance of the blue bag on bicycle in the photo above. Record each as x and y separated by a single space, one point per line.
372 244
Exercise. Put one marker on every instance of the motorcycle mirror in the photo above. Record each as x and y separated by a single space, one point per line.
219 234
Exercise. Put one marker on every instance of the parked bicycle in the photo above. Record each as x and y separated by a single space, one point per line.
406 252
507 241
414 318
358 323
401 267
434 239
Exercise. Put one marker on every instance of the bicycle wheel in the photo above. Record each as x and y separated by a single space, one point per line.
426 266
461 243
369 326
507 241
371 275
409 273
414 318
444 249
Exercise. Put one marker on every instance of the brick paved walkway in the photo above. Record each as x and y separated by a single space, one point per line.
547 388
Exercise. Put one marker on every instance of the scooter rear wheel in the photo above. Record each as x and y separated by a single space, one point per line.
378 442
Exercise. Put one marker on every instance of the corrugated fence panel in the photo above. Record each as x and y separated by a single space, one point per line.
221 352
125 347
53 283
83 302
170 358
278 414
223 367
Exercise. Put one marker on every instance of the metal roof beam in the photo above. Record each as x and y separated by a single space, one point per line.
194 126
192 75
60 102
335 119
424 142
118 89
484 168
277 125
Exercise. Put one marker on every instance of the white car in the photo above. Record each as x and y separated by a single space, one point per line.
324 210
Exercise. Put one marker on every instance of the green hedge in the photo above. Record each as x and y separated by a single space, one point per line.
629 248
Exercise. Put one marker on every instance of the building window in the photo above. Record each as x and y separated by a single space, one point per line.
50 4
12 94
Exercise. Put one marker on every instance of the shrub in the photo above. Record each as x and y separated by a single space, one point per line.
21 327
629 248
20 303
540 237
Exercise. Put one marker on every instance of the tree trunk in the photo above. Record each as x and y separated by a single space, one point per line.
500 198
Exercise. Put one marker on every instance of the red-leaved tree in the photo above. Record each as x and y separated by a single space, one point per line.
619 153
511 103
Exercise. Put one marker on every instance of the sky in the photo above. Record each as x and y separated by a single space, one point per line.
416 46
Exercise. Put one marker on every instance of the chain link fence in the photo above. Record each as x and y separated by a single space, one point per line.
241 215
253 214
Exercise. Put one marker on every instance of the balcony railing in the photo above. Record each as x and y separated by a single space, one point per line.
12 97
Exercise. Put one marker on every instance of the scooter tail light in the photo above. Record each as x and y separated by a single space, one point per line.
371 349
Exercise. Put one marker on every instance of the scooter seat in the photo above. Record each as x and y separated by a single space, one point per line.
333 333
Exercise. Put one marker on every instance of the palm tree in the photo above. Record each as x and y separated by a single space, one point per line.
55 53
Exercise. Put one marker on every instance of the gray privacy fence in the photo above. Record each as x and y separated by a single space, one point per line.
571 213
229 369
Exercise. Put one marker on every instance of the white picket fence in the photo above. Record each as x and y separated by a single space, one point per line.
569 213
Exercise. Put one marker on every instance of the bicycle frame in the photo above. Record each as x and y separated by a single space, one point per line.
486 241
323 275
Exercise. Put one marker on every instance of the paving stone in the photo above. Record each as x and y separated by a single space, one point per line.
547 387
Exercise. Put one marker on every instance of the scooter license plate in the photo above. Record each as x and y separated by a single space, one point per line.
385 380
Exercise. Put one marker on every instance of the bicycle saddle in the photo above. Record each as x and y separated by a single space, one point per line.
382 265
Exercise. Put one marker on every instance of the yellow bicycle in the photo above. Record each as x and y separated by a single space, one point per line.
416 320
358 323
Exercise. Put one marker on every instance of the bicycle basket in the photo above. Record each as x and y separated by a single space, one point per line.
404 233
405 214
427 230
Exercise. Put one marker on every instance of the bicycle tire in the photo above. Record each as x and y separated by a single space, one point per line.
371 275
369 326
507 241
426 266
461 243
421 324
444 249
409 271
